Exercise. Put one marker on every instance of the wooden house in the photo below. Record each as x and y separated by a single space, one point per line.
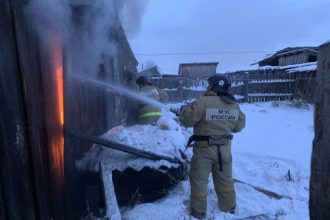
290 56
52 110
41 102
150 72
197 70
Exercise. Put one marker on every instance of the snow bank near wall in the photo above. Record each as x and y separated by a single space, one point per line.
149 138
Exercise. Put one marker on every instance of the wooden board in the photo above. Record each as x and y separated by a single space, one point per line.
15 159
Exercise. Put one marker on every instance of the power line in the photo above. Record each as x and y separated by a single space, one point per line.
204 53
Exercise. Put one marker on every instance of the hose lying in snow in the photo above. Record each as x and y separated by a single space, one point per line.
265 191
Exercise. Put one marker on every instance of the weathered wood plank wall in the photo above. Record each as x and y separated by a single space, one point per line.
28 68
88 108
85 111
319 188
38 75
180 88
197 71
2 203
17 179
31 134
272 84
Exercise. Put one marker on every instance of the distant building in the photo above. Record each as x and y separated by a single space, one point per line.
290 56
150 72
197 70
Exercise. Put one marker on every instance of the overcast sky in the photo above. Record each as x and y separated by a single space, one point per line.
234 33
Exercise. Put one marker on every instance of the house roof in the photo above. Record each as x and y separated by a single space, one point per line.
121 39
291 50
311 66
153 71
197 64
287 51
327 42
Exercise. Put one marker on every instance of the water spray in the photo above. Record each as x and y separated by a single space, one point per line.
125 92
138 96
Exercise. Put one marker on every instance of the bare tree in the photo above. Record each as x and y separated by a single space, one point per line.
319 202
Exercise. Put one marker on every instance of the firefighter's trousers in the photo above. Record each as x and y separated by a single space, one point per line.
204 161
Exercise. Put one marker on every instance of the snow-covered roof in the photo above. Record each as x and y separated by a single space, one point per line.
327 42
286 51
198 64
302 67
311 66
150 72
297 51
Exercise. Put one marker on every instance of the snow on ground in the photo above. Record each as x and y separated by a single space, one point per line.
276 140
283 131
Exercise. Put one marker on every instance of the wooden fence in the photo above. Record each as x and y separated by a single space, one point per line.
180 88
273 85
248 86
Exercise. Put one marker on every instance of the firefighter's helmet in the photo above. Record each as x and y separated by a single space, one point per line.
219 83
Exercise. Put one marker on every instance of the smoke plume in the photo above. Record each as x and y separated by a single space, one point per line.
131 13
84 27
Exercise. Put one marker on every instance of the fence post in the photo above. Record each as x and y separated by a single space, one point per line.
297 86
180 90
246 86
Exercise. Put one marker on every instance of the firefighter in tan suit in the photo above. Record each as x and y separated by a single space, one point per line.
130 104
214 117
149 114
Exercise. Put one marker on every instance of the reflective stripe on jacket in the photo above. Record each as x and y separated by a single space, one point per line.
146 110
150 114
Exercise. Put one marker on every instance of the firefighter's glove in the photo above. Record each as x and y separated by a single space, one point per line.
176 111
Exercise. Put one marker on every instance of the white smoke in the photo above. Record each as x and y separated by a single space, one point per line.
85 27
48 17
131 13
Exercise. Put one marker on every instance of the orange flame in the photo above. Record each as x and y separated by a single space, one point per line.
59 73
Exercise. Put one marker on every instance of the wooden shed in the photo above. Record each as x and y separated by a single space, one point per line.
197 70
150 72
290 56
